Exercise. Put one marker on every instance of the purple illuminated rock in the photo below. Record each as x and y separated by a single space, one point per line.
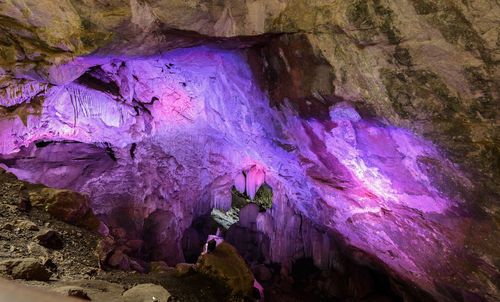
161 239
239 182
248 215
254 179
188 123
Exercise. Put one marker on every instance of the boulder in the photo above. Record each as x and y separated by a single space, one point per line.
73 291
103 229
24 205
36 249
16 292
26 268
119 259
96 290
104 248
225 265
8 227
137 265
51 240
182 269
146 293
66 205
26 225
159 266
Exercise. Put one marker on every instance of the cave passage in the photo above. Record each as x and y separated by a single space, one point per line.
172 148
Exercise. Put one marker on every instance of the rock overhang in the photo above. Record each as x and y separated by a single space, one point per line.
379 186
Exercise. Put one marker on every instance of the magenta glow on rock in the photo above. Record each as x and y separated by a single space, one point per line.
197 120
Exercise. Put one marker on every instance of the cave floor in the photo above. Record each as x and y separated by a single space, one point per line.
76 263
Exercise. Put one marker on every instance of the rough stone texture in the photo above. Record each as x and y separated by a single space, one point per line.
226 265
411 180
428 66
25 268
26 225
51 240
146 293
73 291
14 292
370 183
66 205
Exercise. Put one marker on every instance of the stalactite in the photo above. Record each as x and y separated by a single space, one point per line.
255 178
239 183
16 93
94 104
221 198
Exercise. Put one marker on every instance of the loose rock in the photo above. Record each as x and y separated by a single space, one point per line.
51 240
73 291
226 265
25 205
146 293
27 268
184 268
66 205
7 227
26 225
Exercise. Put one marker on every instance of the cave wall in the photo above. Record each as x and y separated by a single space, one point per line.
198 119
429 66
372 119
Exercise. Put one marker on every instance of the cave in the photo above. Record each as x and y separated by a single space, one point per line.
250 150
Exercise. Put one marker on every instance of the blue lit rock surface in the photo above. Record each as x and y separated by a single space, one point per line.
374 124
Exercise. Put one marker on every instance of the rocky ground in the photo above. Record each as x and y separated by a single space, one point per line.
68 263
41 251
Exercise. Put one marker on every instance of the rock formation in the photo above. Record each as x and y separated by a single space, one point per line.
374 123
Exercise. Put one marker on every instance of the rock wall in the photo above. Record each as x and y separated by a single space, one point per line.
426 65
374 120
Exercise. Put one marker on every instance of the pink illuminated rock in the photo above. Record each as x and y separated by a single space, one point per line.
160 141
255 178
239 182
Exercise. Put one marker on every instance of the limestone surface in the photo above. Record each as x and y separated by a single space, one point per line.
374 122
